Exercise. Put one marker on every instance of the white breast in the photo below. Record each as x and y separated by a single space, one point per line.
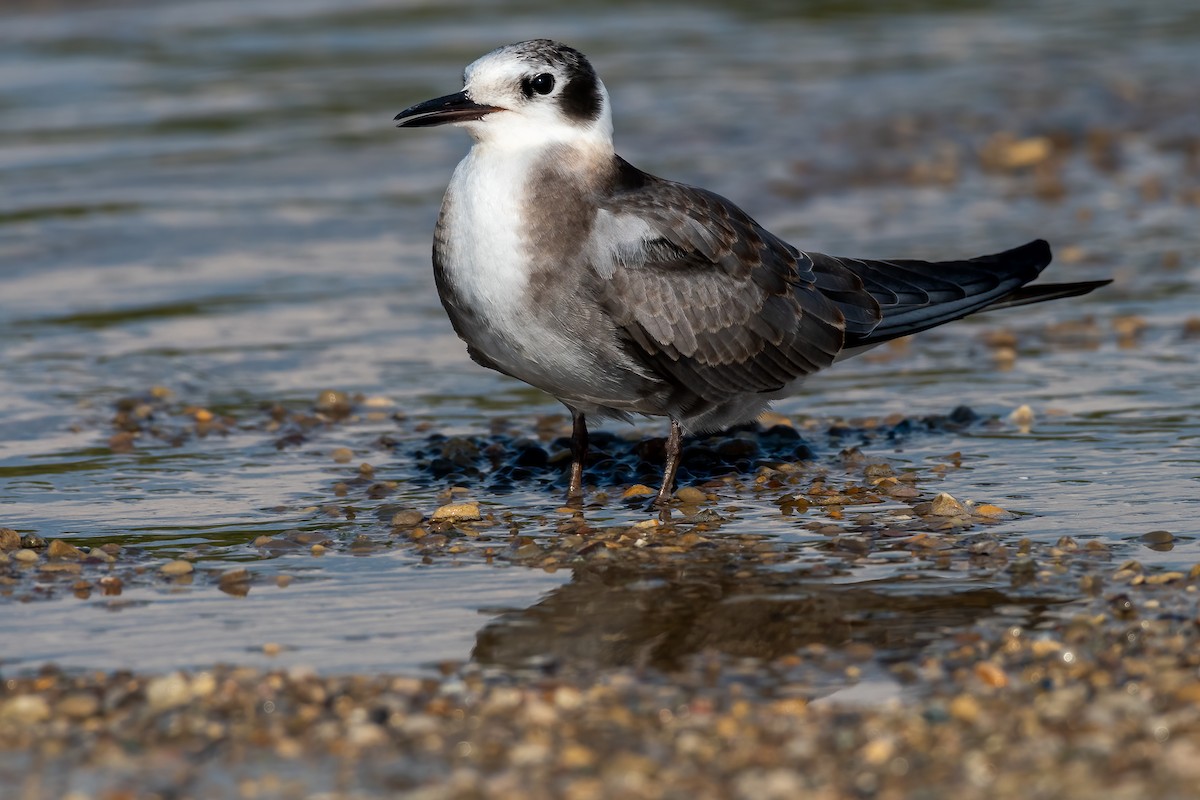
485 262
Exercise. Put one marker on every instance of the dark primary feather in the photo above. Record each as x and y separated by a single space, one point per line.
720 307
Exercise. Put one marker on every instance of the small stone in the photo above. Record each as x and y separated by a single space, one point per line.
879 751
9 539
333 402
1189 693
176 567
528 551
457 512
991 674
1006 152
879 470
691 496
1160 578
1023 417
576 757
637 490
342 455
1158 537
989 510
26 709
235 582
167 692
272 649
946 506
25 556
408 518
78 706
202 415
100 555
54 567
1045 647
318 549
238 575
965 708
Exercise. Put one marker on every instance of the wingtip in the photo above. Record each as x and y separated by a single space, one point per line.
1040 250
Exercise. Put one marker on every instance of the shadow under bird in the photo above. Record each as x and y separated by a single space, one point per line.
622 293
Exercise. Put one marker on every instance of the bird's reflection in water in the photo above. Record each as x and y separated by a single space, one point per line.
620 616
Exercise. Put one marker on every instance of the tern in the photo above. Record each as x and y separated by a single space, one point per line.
621 293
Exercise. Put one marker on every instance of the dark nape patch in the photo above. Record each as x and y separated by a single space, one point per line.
627 178
580 98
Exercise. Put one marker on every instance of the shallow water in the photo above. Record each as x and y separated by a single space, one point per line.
212 199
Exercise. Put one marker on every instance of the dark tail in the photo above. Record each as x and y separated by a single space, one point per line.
918 295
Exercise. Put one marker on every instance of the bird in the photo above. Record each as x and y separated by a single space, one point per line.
621 293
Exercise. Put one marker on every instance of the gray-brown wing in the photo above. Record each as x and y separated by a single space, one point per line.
720 307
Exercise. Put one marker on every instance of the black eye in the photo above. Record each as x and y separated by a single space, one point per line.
542 84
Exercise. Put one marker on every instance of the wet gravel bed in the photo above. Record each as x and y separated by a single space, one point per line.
1100 698
686 656
841 505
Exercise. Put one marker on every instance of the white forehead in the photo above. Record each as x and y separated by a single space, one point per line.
500 67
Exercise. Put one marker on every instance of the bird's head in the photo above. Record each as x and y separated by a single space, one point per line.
533 93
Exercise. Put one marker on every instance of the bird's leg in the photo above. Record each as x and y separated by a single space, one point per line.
674 446
579 449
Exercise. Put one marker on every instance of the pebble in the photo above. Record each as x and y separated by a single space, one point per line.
965 708
689 495
637 490
408 518
1023 417
26 556
25 709
333 403
945 505
78 706
342 455
9 539
168 691
989 510
1004 151
991 674
457 512
176 567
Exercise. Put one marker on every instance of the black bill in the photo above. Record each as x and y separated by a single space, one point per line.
442 110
